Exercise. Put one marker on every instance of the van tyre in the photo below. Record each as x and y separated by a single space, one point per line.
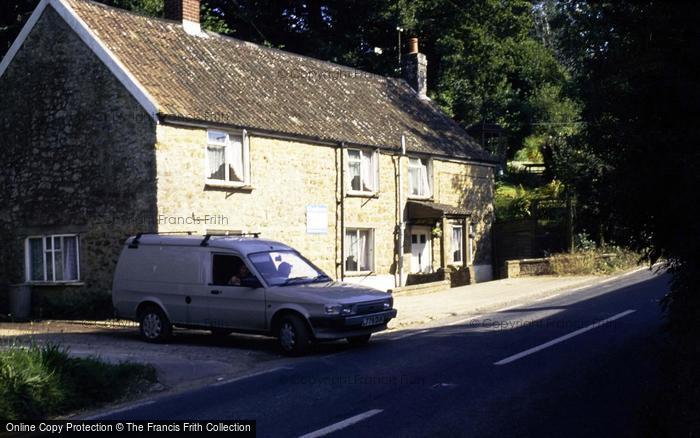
293 335
357 341
154 325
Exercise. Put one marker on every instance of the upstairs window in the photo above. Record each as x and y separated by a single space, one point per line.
363 171
419 177
227 159
52 259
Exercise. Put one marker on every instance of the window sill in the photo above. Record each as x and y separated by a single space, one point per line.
55 283
228 185
356 194
358 273
421 198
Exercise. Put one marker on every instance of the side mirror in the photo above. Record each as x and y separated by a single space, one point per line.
251 282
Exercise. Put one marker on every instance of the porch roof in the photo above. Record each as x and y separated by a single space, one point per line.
433 210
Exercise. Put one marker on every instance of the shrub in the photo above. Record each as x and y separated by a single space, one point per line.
583 242
593 261
37 382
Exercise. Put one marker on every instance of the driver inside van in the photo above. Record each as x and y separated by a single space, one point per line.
243 272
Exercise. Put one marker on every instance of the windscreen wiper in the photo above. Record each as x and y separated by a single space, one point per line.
293 279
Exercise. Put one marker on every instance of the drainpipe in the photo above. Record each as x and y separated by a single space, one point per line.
401 223
342 211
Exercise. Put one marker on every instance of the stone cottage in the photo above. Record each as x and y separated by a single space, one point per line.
113 123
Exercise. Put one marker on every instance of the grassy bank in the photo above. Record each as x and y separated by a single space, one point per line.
594 262
38 382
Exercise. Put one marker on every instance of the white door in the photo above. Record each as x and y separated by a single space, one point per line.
421 250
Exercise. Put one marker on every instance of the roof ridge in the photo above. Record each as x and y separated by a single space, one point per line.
223 79
365 73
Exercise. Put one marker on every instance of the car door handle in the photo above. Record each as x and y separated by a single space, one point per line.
216 292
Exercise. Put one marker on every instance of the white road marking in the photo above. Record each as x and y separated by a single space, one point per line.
116 411
530 351
342 424
390 335
247 376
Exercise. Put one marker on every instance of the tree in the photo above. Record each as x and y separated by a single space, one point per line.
636 66
13 15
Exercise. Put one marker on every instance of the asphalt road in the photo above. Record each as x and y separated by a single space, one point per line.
572 365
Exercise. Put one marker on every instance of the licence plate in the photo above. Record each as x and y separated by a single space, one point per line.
372 320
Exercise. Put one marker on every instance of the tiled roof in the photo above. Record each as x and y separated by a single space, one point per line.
219 79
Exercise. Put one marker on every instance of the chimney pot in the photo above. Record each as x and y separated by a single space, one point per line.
413 45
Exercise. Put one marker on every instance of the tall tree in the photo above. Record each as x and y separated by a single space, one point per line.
637 67
13 15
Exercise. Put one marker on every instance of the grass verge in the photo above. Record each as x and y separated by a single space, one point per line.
593 262
37 382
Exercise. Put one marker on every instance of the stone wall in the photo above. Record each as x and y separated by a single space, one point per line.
289 175
286 177
77 155
472 188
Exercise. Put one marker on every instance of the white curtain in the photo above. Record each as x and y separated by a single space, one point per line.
457 244
414 177
354 164
364 250
425 189
367 172
235 160
216 160
351 261
70 258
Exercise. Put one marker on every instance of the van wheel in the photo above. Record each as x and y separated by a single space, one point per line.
154 325
357 341
293 336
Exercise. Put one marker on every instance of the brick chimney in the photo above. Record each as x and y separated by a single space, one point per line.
186 11
414 68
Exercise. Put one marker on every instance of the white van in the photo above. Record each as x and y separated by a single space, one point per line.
242 284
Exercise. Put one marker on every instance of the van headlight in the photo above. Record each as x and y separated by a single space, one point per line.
338 309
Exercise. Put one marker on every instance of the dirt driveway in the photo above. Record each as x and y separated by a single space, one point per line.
190 358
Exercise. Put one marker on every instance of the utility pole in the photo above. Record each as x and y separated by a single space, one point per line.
570 223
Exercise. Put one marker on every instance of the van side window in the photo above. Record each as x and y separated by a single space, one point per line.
227 270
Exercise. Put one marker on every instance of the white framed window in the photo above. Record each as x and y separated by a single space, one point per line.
420 177
226 159
52 259
457 240
363 171
359 250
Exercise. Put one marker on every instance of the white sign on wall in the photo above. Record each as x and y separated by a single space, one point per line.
316 219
